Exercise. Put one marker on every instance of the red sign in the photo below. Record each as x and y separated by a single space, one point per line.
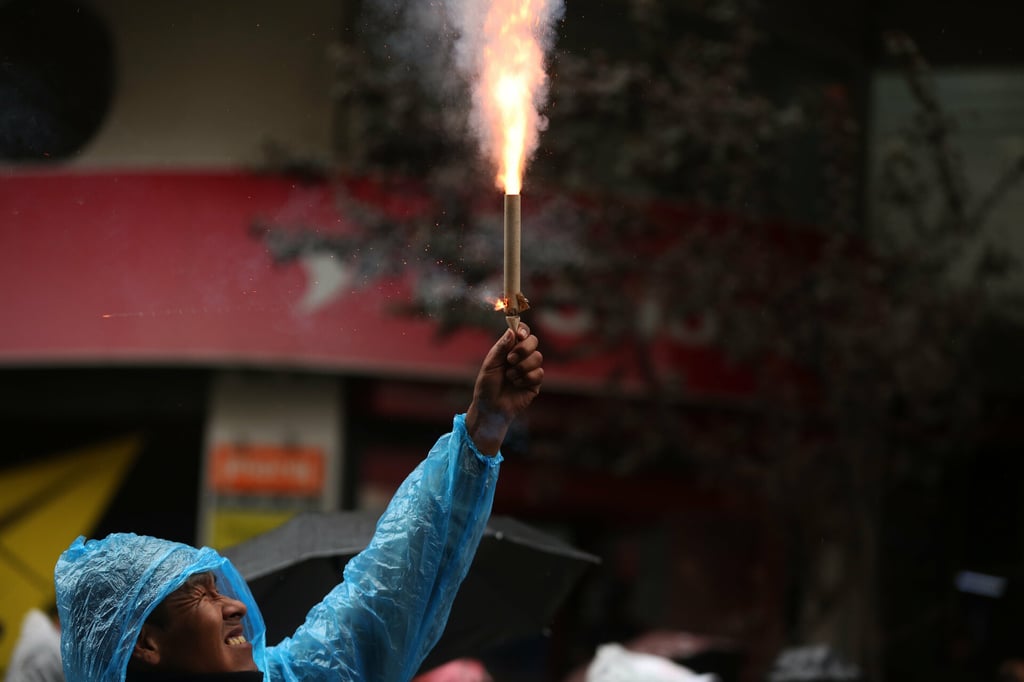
267 470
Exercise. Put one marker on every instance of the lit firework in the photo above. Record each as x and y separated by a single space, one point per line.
507 66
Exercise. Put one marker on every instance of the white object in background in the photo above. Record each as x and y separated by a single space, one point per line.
615 663
36 656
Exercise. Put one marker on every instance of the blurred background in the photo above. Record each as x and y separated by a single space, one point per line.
250 252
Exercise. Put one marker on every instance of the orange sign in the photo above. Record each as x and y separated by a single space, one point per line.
267 470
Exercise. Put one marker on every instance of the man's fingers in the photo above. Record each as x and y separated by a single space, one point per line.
523 362
525 380
528 362
526 372
523 349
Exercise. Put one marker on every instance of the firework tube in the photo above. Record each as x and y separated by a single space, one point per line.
512 272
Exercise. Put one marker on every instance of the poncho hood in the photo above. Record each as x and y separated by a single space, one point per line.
107 588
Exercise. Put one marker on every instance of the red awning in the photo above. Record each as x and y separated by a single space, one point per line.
164 268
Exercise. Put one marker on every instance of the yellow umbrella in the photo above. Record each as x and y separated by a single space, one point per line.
45 505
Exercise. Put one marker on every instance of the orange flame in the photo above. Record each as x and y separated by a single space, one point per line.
500 304
512 81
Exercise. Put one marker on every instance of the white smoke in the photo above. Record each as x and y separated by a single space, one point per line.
444 42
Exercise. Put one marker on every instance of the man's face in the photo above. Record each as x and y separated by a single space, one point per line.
199 630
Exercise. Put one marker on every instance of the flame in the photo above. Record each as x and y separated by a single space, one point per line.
500 304
512 82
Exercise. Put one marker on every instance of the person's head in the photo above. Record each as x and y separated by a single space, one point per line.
195 629
155 604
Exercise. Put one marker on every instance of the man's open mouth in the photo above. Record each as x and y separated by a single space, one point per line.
236 640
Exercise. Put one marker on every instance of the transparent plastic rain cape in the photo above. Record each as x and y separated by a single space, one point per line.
378 624
107 588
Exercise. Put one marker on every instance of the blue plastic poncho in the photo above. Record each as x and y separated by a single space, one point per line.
107 588
378 624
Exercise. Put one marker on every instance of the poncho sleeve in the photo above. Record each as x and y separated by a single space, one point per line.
389 611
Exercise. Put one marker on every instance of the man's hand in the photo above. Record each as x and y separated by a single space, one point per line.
507 383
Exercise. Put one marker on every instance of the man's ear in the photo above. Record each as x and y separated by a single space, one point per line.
147 647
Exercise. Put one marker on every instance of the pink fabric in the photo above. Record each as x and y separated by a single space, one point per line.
459 670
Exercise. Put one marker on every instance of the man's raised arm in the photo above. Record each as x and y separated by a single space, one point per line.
389 612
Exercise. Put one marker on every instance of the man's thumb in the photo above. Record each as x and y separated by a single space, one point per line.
496 356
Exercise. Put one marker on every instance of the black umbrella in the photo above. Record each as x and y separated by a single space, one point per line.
518 579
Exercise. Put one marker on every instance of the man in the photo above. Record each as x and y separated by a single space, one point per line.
140 608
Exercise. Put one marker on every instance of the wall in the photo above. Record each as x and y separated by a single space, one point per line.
201 84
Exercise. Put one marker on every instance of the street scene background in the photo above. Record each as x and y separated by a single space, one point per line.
251 252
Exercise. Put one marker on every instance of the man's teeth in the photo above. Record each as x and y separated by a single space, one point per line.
234 641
